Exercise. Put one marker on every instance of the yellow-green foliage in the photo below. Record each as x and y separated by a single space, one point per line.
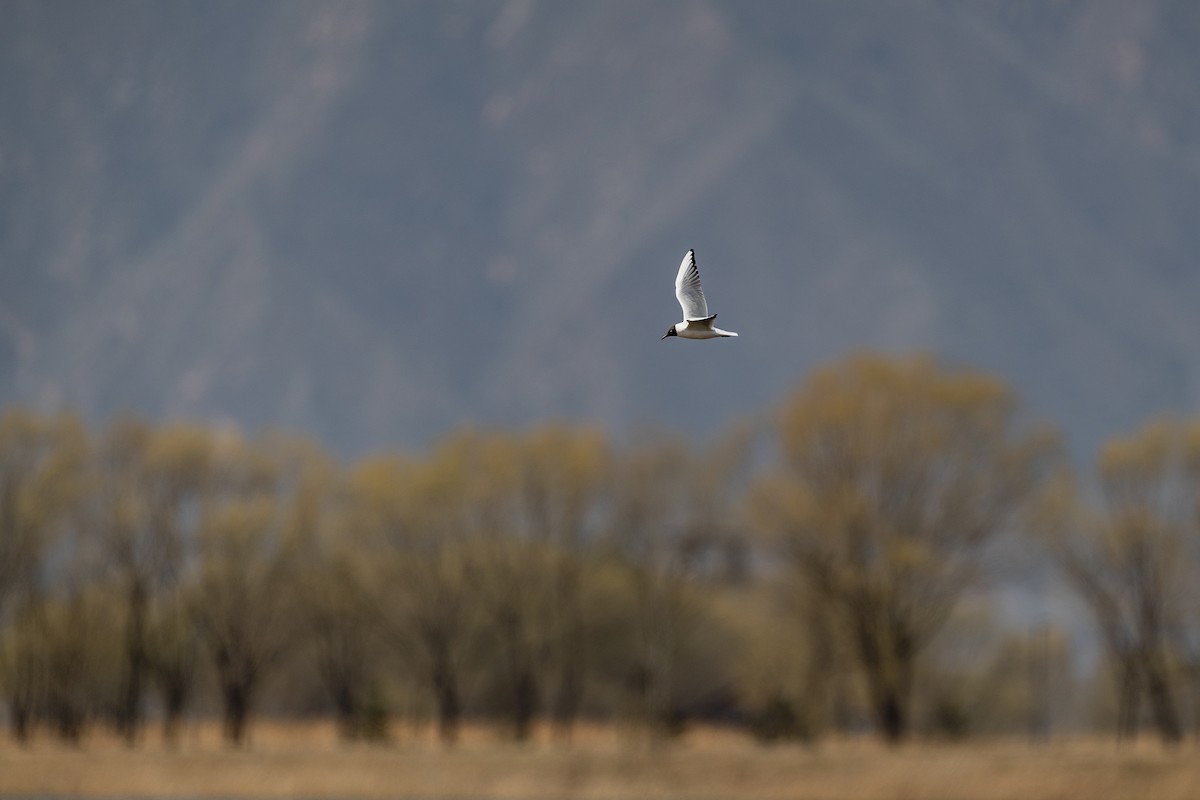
804 577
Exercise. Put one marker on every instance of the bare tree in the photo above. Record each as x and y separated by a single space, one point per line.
507 570
511 578
332 571
894 474
42 491
343 634
562 480
23 661
533 510
76 628
151 483
135 548
671 510
174 648
177 474
410 515
1130 561
241 598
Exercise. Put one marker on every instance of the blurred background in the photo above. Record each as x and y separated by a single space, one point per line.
372 222
435 243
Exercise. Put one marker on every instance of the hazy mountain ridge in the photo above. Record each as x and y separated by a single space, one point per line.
373 223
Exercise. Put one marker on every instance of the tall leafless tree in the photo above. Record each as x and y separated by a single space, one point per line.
894 475
1130 560
242 596
409 515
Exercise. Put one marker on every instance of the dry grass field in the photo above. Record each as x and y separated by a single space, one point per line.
307 761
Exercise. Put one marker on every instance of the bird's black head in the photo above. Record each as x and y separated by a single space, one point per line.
670 332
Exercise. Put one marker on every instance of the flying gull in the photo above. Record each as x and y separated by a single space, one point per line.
697 322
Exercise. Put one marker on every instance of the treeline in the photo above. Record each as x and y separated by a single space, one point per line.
823 571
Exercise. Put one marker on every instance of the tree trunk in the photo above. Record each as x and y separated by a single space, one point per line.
174 676
346 705
445 689
237 682
569 694
893 719
21 717
68 719
1158 690
173 704
236 695
129 712
1128 695
524 704
888 667
336 664
519 671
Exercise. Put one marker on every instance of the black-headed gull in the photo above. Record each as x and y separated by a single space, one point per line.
697 322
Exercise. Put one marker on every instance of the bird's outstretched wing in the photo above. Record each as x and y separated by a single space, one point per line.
687 289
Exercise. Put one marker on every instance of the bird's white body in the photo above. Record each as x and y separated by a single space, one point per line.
700 329
697 322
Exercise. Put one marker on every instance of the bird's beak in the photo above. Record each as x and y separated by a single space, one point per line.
665 335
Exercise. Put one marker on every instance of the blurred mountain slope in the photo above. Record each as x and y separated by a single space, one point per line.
374 222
